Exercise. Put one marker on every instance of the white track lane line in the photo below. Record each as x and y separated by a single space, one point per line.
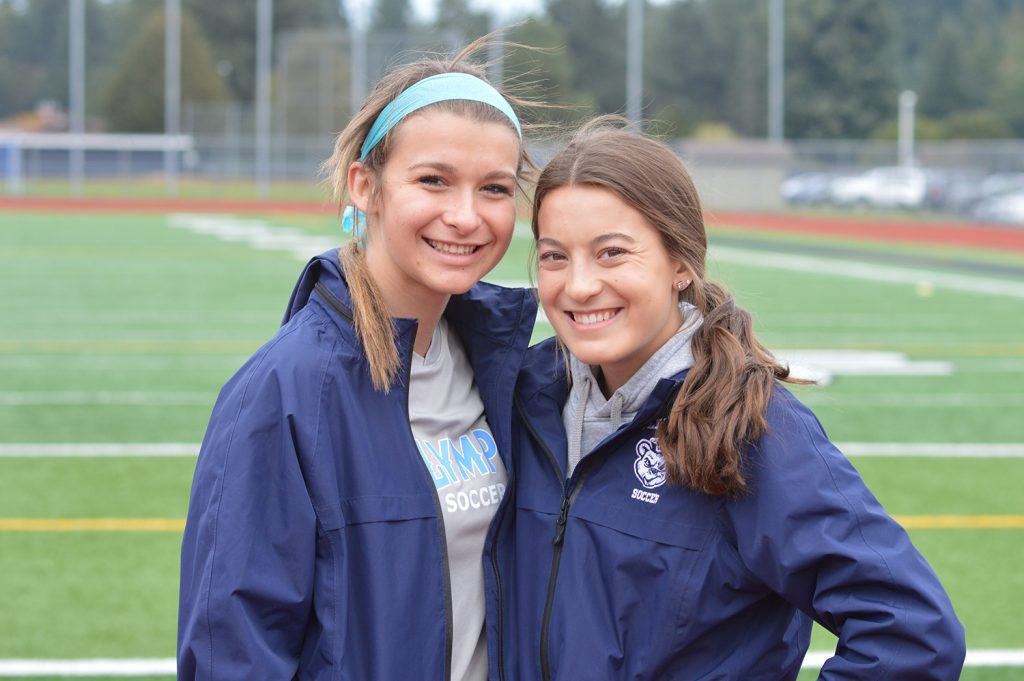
861 270
167 666
966 450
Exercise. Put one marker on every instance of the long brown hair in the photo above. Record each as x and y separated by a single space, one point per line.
372 318
720 406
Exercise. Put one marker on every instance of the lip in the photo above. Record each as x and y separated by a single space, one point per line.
575 315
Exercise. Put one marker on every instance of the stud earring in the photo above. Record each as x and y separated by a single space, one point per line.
680 285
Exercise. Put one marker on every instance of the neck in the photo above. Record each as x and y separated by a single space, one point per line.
424 332
425 309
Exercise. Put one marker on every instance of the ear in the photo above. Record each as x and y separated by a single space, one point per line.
360 186
683 274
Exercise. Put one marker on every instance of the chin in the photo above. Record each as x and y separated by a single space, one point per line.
456 288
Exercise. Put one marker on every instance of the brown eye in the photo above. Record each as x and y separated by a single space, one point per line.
498 189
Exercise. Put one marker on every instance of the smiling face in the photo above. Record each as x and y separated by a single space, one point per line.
606 281
442 210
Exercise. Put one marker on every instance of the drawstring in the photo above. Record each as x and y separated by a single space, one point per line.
616 406
576 436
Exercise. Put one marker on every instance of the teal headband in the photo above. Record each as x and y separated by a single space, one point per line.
439 88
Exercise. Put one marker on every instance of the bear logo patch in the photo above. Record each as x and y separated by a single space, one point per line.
650 464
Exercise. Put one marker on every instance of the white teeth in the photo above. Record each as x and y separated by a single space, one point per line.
453 249
593 317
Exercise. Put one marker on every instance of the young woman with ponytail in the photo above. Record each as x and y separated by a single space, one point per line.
674 512
351 468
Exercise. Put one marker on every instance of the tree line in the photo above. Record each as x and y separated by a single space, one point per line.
705 61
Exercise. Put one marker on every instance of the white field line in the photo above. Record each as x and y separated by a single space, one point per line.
258 234
975 658
168 666
100 449
190 449
933 450
121 362
915 400
126 398
96 667
871 272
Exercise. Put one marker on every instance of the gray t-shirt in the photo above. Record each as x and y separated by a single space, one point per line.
451 431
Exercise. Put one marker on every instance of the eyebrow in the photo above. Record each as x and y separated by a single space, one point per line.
449 169
611 236
596 241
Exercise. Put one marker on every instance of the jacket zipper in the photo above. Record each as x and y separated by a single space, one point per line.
443 535
569 496
497 580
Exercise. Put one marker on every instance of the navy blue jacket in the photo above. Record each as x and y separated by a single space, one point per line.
618 574
314 546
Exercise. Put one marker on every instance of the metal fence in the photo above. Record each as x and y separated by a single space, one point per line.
219 144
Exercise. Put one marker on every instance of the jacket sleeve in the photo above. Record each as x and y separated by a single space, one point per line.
248 552
812 532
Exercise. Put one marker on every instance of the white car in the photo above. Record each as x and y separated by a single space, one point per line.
889 187
1005 208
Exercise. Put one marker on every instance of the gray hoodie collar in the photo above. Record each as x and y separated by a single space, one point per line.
589 417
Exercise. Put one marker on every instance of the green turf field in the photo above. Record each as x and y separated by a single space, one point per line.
120 328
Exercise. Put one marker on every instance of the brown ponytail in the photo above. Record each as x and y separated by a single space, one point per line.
720 406
372 317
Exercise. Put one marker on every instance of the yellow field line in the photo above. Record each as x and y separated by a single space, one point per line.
91 525
958 522
911 522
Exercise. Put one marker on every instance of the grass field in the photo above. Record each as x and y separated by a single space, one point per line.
120 328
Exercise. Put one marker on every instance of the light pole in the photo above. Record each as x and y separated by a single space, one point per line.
905 143
776 69
634 60
264 38
76 95
172 90
358 26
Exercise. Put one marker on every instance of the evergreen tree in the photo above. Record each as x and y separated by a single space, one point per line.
1008 93
135 102
741 30
390 15
706 63
544 74
34 62
457 16
947 84
595 36
230 27
840 68
684 66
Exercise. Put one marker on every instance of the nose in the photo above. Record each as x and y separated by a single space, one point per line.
582 282
462 214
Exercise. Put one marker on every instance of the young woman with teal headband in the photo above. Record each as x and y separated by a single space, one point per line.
351 468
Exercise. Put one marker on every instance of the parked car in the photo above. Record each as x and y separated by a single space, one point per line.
949 188
1006 208
807 188
887 187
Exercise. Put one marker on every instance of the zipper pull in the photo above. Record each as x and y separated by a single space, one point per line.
563 516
